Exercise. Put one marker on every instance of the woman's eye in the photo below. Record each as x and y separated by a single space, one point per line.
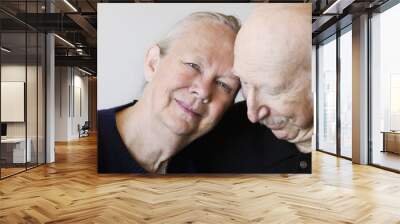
194 66
224 86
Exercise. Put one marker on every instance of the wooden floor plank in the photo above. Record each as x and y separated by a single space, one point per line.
71 191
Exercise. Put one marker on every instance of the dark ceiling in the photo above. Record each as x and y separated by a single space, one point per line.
76 22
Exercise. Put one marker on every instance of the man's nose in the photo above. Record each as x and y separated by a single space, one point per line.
255 110
202 89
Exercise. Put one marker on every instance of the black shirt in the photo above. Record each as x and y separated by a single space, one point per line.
235 145
112 154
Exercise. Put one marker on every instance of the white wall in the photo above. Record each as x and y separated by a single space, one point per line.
80 83
126 31
62 81
12 73
68 80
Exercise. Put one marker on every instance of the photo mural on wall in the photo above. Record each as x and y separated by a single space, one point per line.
204 88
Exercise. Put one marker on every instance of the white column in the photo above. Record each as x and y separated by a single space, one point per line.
50 92
360 90
50 99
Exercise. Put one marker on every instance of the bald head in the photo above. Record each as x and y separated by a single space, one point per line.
273 61
277 37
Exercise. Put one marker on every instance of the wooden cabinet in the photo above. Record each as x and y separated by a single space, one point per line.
391 142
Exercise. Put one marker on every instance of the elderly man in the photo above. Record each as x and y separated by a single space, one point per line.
273 61
270 132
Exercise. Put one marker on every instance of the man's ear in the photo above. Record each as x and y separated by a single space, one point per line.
151 62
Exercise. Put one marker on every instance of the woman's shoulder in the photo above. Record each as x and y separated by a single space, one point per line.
113 156
109 113
107 121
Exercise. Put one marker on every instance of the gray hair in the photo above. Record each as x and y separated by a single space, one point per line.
228 20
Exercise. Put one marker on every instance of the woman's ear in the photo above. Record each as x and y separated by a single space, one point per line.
151 62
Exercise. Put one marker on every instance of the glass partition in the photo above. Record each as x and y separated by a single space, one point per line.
327 96
22 77
13 95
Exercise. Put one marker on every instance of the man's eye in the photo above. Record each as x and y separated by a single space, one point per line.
224 86
193 66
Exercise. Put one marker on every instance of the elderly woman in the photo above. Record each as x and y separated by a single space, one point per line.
190 86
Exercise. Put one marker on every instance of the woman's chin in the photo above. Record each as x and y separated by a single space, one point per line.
180 127
179 122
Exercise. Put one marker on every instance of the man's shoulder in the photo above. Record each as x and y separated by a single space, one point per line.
236 145
236 122
235 118
237 111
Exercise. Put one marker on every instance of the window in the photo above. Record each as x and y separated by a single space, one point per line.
327 96
346 93
385 88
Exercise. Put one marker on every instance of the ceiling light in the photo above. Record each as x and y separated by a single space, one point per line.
70 5
84 71
5 50
337 7
65 41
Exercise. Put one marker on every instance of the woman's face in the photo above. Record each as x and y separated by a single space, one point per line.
192 85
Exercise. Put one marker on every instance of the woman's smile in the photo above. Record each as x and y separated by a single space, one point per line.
188 109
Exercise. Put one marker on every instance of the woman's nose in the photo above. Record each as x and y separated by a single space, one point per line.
202 89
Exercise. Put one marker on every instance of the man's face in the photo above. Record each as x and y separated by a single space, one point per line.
278 94
285 108
193 84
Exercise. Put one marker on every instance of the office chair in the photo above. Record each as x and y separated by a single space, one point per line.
84 130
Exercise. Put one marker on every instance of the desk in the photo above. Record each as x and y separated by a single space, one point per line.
391 141
16 147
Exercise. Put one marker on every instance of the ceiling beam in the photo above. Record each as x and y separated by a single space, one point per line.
86 27
85 61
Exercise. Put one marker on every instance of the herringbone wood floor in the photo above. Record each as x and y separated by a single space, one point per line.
71 191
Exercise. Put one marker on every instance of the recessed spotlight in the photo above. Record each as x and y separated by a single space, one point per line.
84 71
64 40
5 50
71 6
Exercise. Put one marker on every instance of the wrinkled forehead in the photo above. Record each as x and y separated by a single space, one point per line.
256 68
208 43
271 54
269 70
206 47
206 31
258 76
275 79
